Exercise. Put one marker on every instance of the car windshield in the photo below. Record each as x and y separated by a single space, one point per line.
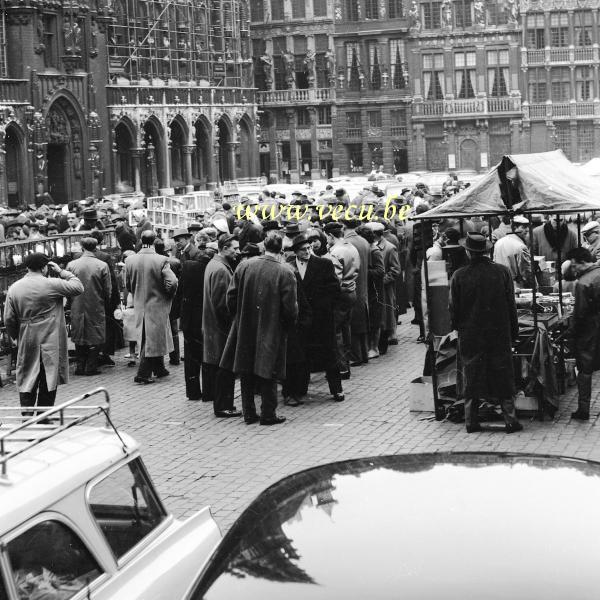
126 507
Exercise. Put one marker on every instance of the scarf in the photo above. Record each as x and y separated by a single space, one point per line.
556 239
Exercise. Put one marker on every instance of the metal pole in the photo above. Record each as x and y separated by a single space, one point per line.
579 230
533 279
559 260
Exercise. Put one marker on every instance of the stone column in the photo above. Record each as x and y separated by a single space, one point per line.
419 153
294 172
188 175
214 176
315 172
167 188
231 150
136 155
153 173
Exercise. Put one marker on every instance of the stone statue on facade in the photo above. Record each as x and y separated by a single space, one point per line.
414 16
447 14
288 63
267 67
309 62
513 11
479 12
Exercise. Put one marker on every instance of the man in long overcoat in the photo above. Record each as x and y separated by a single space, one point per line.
216 322
392 271
483 312
88 317
359 325
153 284
34 316
191 302
262 296
584 327
321 288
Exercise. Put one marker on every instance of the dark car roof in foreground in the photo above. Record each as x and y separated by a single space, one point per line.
421 526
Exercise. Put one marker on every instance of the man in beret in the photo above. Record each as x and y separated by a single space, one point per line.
35 317
88 316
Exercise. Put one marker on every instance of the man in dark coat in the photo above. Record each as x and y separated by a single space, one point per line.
153 284
584 327
125 235
482 310
190 296
88 317
185 247
375 282
113 329
321 288
359 325
262 296
216 322
297 368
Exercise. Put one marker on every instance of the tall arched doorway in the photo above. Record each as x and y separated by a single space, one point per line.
153 169
65 153
202 155
246 150
13 145
469 158
124 168
226 168
178 174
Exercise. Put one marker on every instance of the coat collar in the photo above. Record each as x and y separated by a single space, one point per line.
88 253
223 261
147 251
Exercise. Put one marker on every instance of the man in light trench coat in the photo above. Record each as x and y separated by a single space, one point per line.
153 284
34 316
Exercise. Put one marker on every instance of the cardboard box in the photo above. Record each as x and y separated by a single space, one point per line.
421 395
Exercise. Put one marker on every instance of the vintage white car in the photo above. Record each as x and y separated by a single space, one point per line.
80 517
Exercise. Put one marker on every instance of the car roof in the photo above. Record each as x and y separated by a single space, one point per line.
45 473
452 525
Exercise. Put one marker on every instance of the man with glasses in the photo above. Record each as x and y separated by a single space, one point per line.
591 234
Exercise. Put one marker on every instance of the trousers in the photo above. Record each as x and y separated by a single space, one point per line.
40 395
268 394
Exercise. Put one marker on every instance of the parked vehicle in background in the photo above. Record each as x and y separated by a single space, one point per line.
418 526
435 182
80 517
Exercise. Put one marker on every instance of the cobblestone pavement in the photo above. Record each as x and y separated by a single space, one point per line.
196 459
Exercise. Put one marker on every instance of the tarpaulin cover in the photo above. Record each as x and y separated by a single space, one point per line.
543 182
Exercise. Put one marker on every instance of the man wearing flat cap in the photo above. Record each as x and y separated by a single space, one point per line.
483 312
125 235
88 316
591 234
511 251
35 317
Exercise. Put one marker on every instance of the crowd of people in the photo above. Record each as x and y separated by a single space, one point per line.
269 301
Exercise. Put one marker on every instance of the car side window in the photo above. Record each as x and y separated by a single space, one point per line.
126 507
50 561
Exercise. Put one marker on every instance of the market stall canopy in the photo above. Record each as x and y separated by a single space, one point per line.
591 168
541 183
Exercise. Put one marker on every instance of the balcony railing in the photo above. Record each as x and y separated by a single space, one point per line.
561 55
141 95
14 91
467 106
305 96
561 110
353 132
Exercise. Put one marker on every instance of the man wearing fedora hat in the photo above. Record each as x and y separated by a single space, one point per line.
185 247
591 234
511 251
483 312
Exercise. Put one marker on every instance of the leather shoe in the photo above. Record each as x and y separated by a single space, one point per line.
344 375
474 428
513 427
96 372
162 373
174 362
356 363
393 342
228 413
143 380
195 398
272 421
106 361
292 401
252 419
339 397
580 415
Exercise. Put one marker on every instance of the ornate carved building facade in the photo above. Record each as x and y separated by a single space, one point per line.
116 95
294 73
